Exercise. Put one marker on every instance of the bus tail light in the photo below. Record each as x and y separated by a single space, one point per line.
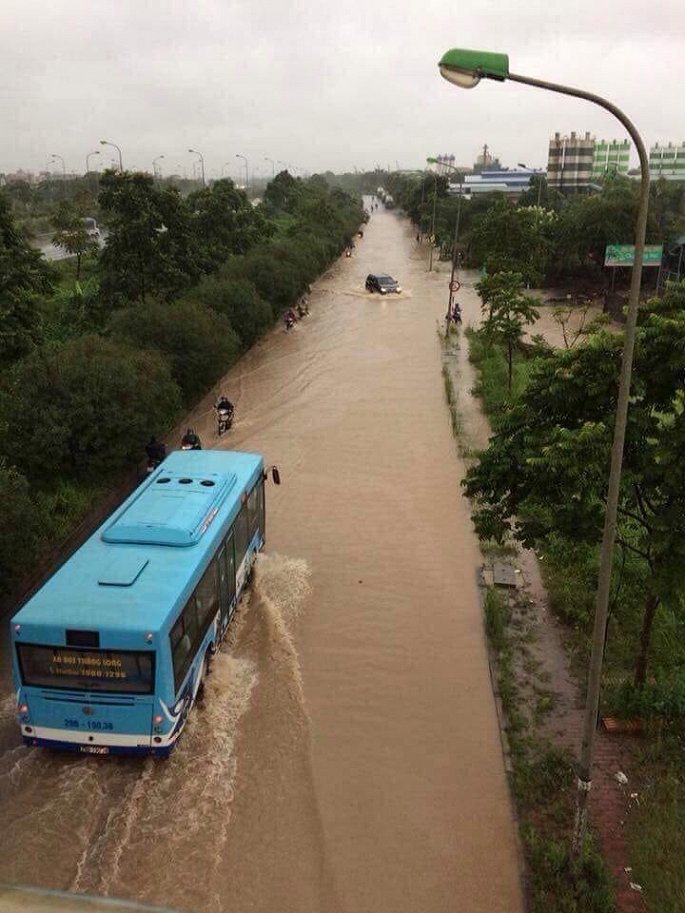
17 629
23 708
158 719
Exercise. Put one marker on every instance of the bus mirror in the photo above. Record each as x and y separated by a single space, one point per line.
275 475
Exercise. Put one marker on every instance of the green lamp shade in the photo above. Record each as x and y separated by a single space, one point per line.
466 68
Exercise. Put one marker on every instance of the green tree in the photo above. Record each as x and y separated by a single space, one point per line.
238 300
507 309
225 223
283 192
85 408
71 233
545 471
24 277
151 249
511 238
21 525
199 344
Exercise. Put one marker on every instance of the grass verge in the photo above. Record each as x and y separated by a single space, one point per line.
542 778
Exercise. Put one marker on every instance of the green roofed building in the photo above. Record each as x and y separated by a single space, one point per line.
610 157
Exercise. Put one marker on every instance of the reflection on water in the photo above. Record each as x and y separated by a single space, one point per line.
347 756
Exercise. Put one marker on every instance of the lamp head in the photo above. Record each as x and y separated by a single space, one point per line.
466 68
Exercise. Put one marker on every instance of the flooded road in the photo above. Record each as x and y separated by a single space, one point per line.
347 757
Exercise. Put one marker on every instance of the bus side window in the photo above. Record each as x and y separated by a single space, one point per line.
253 511
240 536
207 597
260 506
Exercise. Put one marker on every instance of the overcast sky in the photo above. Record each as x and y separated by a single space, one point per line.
324 85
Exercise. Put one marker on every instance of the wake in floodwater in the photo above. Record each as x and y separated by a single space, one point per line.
150 829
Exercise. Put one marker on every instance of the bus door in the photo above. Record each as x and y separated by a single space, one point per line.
226 562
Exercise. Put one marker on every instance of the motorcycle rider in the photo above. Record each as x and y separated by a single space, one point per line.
156 452
224 409
289 318
223 404
191 441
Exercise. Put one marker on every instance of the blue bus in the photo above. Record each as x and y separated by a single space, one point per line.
109 655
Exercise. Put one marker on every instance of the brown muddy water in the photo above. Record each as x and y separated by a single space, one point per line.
347 757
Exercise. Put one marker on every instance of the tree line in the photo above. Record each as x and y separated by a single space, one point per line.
547 237
92 364
543 477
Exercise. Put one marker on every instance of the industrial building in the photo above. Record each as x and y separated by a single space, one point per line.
570 162
667 162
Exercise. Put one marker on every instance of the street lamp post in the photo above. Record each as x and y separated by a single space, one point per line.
465 68
273 166
434 161
88 158
56 155
247 173
202 164
431 241
154 165
106 142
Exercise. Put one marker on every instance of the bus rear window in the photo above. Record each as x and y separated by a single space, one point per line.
127 671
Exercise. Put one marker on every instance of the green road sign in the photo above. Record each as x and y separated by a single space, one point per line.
624 254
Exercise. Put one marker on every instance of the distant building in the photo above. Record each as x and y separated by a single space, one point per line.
667 162
21 176
610 157
570 162
445 164
512 182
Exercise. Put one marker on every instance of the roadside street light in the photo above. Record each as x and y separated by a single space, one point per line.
202 164
154 165
466 68
432 235
106 142
434 161
247 173
273 166
54 156
88 158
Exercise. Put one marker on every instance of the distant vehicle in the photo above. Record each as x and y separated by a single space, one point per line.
110 655
91 227
381 282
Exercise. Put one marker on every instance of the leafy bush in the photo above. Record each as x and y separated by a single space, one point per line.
199 344
238 301
85 408
21 525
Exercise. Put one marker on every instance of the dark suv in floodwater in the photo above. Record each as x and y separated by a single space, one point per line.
381 282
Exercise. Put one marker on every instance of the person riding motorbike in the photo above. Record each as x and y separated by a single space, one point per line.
303 306
289 319
191 441
224 413
156 452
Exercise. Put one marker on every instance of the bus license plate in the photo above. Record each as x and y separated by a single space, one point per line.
94 749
